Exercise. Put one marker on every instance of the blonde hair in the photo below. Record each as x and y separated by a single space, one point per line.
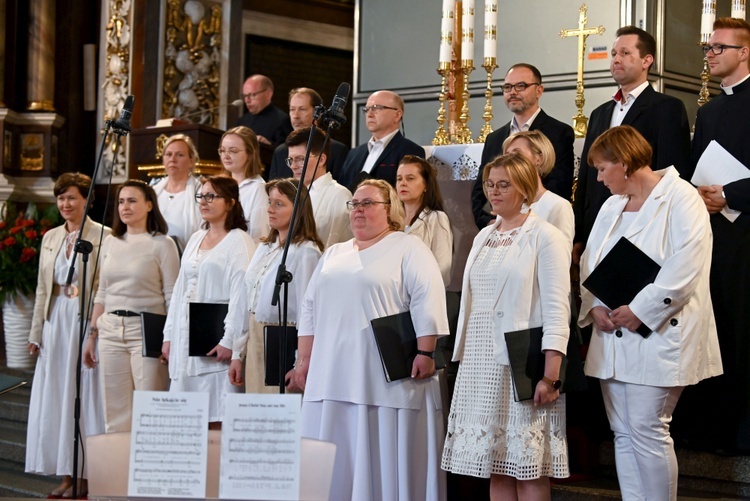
395 209
192 150
521 171
253 167
539 145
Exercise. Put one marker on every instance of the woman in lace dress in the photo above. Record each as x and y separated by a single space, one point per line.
418 190
516 278
212 271
260 279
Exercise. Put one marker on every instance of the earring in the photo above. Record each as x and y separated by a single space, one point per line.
524 208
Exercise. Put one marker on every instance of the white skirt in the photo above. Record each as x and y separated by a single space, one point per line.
382 453
49 437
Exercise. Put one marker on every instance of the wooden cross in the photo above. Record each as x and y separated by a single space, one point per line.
580 121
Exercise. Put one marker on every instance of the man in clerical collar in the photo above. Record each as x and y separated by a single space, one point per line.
379 157
522 90
661 119
269 123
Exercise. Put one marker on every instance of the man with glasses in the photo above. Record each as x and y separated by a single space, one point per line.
328 197
718 410
302 104
379 157
522 90
269 123
661 119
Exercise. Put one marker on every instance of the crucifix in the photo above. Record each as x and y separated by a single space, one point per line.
580 121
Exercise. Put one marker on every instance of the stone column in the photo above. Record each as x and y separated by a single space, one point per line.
41 76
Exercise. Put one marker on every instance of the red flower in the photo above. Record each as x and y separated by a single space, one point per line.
45 223
31 234
10 241
2 225
44 231
27 254
29 223
15 229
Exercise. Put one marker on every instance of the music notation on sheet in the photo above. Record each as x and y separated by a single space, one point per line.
260 447
169 445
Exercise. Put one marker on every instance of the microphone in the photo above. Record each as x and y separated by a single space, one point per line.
236 102
123 123
335 117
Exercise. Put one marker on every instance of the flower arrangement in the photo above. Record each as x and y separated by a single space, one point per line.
20 238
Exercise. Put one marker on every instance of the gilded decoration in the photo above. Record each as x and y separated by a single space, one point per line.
32 152
116 85
161 143
192 60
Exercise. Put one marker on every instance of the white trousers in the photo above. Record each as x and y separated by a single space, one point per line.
639 416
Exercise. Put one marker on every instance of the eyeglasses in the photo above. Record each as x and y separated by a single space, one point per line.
229 151
208 197
364 204
518 87
296 160
502 186
718 48
377 108
253 95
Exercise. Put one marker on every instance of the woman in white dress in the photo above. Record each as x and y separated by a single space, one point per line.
240 155
54 338
516 278
176 192
418 190
642 377
139 267
212 271
551 207
388 435
260 279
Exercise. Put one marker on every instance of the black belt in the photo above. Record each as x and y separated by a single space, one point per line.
125 313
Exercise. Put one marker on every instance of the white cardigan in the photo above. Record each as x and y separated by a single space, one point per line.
434 229
533 285
220 280
673 228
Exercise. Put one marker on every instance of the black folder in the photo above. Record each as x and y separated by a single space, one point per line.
152 330
272 348
397 344
206 327
527 363
621 275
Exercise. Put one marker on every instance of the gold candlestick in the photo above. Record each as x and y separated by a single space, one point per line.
490 63
703 95
463 135
441 135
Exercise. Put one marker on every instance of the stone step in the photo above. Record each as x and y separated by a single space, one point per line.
14 405
14 482
12 442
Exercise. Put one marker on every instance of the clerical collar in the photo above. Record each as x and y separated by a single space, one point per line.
631 96
729 89
514 127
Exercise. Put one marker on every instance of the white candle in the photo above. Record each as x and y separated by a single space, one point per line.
467 31
490 29
708 16
739 9
446 40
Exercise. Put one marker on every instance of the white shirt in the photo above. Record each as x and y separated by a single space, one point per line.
434 229
328 200
180 210
621 109
514 127
254 201
376 147
558 212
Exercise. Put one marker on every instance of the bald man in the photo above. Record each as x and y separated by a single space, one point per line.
379 157
269 123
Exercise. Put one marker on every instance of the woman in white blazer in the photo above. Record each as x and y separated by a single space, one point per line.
642 377
516 278
54 338
212 271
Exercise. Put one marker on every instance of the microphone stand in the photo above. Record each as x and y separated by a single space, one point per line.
84 248
283 276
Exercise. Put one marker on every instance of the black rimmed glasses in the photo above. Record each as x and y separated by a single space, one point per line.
377 108
718 48
296 160
364 204
253 95
208 197
518 87
501 186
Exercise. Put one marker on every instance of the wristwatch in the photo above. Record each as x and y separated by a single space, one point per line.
556 384
430 354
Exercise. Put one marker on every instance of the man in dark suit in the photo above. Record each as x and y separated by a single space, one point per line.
660 118
269 123
379 157
522 90
302 104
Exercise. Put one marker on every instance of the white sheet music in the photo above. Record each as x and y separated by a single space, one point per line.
260 447
168 445
717 166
